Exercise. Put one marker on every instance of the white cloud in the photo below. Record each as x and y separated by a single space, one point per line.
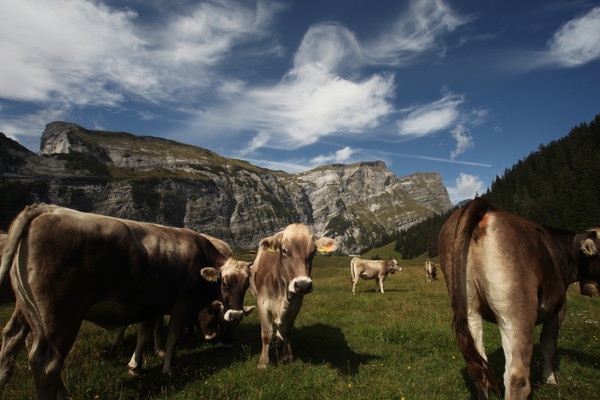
82 52
312 100
340 156
431 118
467 186
419 30
577 42
463 140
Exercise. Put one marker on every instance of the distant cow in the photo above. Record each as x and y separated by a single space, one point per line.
372 269
430 271
66 266
280 278
507 270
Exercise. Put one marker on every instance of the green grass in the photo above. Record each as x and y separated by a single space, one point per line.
367 346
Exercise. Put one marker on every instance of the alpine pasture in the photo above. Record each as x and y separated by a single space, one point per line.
397 345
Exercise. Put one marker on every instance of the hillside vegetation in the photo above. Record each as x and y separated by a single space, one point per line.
558 185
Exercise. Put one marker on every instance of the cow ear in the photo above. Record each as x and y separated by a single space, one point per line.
210 274
588 247
326 245
216 306
272 243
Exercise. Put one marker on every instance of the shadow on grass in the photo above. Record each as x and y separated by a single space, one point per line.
324 344
497 361
195 360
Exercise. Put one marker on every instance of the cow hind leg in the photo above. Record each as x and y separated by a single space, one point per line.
517 342
476 329
46 360
13 340
143 334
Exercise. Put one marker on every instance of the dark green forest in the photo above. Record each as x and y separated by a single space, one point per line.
557 186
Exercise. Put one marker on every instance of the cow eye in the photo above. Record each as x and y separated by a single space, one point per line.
285 252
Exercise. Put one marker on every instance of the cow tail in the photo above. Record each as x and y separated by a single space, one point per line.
352 268
467 221
16 242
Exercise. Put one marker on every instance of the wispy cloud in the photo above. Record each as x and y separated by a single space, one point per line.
70 54
426 119
577 42
420 30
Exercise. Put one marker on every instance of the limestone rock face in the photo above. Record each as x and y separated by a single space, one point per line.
163 181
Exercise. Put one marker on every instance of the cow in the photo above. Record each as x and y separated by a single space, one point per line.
219 319
372 269
67 266
430 271
281 276
515 273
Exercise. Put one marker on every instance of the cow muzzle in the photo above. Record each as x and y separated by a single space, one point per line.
300 286
234 315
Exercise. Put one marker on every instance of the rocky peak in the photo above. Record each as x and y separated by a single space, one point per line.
163 181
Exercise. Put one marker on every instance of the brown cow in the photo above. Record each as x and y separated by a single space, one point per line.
513 272
66 266
280 278
430 271
372 269
219 319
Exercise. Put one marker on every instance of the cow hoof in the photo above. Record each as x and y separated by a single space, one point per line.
133 372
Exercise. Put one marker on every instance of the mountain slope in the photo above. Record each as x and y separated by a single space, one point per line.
159 180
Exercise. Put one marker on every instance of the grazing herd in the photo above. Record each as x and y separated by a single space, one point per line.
62 267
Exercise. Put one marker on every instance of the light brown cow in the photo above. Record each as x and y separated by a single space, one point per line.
372 269
504 269
430 271
280 278
66 266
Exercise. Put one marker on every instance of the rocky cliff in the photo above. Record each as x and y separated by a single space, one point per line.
158 180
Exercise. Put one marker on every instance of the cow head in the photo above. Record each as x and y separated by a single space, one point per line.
296 247
394 266
235 280
208 319
589 268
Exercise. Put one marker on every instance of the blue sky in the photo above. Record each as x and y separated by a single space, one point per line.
463 88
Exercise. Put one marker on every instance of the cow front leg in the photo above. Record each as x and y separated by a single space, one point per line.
13 340
119 335
285 335
143 334
381 280
266 334
157 333
548 342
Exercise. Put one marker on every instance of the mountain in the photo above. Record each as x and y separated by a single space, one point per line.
158 180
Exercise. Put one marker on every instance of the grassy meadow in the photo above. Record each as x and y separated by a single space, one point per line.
396 345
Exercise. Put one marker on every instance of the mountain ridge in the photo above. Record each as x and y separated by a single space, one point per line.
168 182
